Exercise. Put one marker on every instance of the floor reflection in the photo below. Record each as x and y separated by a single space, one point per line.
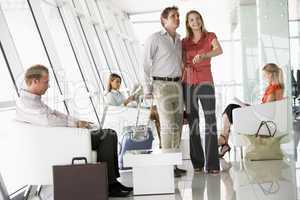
265 180
257 180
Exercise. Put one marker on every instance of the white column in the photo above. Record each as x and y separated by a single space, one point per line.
249 44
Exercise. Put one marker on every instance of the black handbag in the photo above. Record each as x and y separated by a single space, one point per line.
80 181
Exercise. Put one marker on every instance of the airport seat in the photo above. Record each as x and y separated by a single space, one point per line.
28 151
118 117
247 119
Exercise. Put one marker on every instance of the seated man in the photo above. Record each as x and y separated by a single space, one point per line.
30 108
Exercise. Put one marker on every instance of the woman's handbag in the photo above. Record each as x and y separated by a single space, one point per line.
264 147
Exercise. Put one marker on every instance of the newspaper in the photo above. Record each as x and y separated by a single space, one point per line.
239 102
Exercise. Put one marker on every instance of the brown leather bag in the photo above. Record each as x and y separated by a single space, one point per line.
80 181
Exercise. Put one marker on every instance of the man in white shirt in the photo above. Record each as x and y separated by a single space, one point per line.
162 73
30 108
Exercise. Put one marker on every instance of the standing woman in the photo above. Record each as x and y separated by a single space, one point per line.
198 47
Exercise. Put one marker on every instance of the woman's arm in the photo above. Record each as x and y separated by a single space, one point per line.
216 49
275 96
128 100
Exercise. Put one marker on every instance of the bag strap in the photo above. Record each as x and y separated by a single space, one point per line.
274 124
265 123
273 188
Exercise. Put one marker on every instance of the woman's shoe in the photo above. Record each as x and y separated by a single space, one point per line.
213 171
224 149
198 170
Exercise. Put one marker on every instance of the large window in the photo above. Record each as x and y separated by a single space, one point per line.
74 68
8 91
30 47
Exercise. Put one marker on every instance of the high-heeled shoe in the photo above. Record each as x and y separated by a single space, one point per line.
212 171
224 147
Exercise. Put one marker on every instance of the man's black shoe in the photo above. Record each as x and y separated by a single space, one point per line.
117 192
181 171
177 174
123 187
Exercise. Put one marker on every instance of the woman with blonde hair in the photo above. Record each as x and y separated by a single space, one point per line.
274 92
198 47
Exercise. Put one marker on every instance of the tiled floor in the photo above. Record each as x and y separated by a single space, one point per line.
261 180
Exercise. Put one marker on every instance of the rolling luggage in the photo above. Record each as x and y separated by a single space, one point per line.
136 137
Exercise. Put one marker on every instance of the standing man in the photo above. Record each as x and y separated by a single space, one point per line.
162 71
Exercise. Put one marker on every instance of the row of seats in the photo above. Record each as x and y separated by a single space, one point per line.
28 152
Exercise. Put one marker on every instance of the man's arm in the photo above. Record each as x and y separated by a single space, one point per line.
149 52
57 118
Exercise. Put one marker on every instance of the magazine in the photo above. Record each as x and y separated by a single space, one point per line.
239 102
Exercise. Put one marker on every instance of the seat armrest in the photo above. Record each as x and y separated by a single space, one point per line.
246 120
28 152
118 117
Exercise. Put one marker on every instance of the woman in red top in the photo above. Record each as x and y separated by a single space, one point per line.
274 91
198 48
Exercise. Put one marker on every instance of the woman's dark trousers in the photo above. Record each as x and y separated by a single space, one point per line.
206 94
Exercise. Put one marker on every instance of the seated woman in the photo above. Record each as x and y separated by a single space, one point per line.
115 98
273 74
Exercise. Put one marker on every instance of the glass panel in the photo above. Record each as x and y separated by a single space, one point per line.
76 86
266 40
30 47
108 40
7 89
293 26
104 67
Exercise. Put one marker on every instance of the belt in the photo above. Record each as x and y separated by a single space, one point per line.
156 78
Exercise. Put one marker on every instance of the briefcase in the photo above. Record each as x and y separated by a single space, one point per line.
80 181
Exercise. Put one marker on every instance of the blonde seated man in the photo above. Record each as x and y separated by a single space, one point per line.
115 98
30 108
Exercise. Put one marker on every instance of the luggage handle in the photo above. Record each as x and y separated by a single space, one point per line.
139 111
78 159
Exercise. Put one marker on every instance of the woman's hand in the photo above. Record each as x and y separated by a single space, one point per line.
128 100
199 58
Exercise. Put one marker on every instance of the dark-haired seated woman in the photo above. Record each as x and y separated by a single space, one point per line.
115 98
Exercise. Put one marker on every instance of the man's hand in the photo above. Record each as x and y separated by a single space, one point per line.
148 96
84 124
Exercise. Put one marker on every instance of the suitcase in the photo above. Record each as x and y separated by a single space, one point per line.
80 181
128 142
136 137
